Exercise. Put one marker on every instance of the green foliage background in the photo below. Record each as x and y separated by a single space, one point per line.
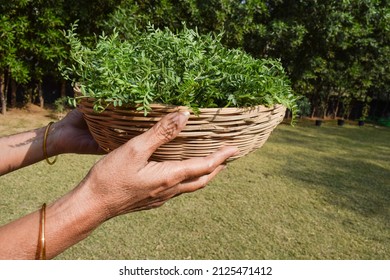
336 53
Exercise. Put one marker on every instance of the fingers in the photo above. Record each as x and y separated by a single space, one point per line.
161 195
197 183
162 132
169 174
197 167
192 185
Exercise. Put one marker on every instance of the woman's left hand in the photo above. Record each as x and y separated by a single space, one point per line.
71 135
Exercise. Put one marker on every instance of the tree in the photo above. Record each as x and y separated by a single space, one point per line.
338 55
336 52
32 43
12 66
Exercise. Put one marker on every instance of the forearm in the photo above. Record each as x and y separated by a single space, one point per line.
70 135
20 150
68 220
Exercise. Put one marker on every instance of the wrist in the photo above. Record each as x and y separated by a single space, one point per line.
50 138
72 218
56 144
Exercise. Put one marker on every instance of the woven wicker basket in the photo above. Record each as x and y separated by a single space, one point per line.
248 129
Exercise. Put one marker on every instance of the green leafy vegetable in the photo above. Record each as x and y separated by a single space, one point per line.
184 68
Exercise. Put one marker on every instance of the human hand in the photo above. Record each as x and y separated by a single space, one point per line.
71 135
125 180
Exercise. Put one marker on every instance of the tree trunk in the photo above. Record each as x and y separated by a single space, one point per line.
384 112
30 94
326 104
325 113
40 93
336 110
63 89
374 108
2 95
313 112
13 93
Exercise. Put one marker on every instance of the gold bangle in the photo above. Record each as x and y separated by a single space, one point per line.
44 145
41 250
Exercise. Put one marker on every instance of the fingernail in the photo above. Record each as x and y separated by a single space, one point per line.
181 118
186 115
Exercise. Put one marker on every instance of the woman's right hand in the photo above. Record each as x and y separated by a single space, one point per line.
125 180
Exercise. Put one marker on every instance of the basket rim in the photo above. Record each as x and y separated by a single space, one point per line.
168 108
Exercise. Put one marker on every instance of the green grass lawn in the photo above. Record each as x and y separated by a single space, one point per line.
308 193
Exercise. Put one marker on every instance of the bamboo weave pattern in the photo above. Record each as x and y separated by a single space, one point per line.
246 128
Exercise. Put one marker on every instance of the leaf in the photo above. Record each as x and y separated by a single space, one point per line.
184 68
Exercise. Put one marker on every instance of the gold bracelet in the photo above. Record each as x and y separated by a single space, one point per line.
44 145
41 250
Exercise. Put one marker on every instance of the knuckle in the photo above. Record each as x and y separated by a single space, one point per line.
154 195
211 165
133 147
164 131
203 181
185 174
165 183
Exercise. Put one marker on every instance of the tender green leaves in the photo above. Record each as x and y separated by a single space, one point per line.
159 66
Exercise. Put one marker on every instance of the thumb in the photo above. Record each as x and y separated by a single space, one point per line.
162 132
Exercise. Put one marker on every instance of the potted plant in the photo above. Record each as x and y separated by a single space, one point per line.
365 110
340 122
318 122
159 71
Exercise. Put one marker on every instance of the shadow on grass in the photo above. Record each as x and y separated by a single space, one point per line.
352 165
